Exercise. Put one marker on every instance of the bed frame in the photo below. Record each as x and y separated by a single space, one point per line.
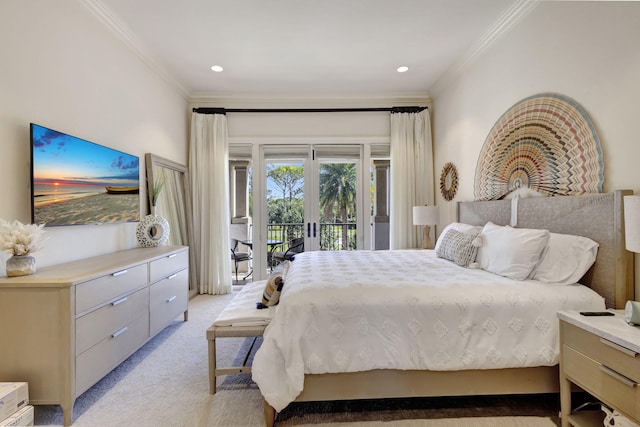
597 216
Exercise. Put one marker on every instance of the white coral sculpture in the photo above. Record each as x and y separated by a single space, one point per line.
17 238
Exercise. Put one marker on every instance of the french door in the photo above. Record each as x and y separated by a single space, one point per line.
313 192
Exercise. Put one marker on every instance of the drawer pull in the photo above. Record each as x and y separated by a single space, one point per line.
120 301
626 381
119 332
619 347
171 299
172 255
172 276
120 273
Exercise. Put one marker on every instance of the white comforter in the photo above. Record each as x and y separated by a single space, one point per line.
364 310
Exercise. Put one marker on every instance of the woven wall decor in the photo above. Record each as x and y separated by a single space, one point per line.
545 142
449 181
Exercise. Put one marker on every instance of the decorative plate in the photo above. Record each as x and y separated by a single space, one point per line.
547 143
152 230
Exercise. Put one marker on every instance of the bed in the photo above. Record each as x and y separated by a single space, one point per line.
451 372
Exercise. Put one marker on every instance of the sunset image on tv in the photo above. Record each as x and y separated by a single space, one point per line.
75 181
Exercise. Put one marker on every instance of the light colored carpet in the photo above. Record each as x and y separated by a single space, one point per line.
165 383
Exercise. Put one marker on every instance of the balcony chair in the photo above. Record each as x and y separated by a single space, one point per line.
238 257
296 246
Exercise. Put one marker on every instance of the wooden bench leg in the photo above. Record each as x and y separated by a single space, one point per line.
269 414
212 366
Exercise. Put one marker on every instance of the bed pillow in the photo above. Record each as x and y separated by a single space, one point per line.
458 226
566 259
458 247
273 288
511 252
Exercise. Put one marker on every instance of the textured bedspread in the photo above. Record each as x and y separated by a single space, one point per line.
364 310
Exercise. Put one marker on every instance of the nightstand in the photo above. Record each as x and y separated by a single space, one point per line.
602 356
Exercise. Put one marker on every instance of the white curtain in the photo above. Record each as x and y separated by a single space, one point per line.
209 174
411 176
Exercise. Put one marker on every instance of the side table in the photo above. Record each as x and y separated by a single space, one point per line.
601 355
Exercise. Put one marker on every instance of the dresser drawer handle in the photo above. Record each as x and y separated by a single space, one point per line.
120 273
171 299
172 276
172 255
619 347
626 381
119 332
120 301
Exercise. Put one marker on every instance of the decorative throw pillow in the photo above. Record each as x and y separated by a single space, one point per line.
458 226
458 247
566 259
273 288
511 252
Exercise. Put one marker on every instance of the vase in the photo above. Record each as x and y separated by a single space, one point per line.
153 230
20 265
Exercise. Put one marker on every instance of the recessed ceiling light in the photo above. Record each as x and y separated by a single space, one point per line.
402 69
217 68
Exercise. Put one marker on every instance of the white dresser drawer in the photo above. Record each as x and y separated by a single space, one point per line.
165 266
168 298
107 288
100 359
99 324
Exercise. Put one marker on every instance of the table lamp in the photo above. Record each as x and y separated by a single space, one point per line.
632 243
426 216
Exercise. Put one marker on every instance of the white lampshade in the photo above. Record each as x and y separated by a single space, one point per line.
426 215
631 223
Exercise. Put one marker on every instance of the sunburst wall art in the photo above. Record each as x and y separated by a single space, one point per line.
547 143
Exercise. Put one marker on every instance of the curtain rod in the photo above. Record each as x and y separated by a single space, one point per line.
205 110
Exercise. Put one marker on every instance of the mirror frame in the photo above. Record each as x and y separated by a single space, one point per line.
153 161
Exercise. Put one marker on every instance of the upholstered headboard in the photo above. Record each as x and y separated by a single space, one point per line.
599 217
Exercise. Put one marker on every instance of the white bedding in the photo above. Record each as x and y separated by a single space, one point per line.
363 310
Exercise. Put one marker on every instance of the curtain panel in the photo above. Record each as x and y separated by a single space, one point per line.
411 176
209 174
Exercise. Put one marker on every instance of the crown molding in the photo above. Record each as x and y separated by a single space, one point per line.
128 37
309 100
502 26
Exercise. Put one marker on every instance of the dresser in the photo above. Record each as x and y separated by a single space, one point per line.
600 354
65 327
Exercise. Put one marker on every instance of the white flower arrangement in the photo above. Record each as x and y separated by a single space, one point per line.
17 238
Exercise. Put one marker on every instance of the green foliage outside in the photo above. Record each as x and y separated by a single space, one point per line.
285 204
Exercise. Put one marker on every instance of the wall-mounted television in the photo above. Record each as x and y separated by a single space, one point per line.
74 181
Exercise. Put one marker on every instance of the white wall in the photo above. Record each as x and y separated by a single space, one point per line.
585 50
62 68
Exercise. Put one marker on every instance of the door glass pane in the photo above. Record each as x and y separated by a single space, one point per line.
285 205
338 204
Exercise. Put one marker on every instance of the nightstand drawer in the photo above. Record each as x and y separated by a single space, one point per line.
610 354
612 387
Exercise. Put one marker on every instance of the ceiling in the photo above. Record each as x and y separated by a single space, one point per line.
314 48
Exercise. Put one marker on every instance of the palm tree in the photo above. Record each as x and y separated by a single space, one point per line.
338 194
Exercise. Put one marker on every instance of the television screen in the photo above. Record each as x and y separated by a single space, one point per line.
74 181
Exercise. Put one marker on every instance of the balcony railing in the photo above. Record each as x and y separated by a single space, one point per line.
331 234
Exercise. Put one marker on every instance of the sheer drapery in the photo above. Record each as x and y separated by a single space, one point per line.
411 176
209 174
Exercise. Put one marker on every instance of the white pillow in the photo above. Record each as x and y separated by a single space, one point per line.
511 252
458 226
566 259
